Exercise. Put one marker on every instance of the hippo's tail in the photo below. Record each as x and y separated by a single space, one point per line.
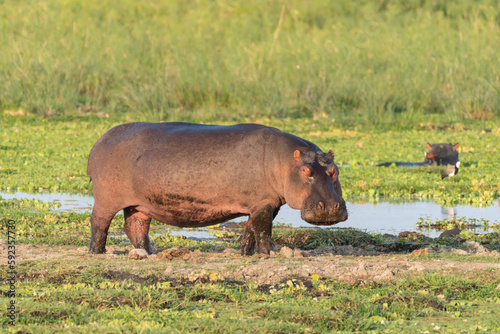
92 159
89 166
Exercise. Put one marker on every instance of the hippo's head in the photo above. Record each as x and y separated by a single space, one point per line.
313 187
441 154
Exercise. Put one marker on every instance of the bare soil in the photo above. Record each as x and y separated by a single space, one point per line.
343 263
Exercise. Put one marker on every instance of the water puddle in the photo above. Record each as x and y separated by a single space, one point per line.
381 217
69 202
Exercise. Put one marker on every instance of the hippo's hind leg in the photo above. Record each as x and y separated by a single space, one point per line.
257 234
137 228
100 220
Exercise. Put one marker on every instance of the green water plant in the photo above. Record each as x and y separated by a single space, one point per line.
456 222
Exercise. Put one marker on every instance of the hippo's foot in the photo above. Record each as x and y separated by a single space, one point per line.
98 242
144 244
248 246
100 219
257 235
248 242
264 245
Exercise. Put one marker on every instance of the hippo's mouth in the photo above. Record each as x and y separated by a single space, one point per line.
324 218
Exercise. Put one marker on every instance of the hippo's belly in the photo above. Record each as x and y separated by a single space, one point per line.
188 212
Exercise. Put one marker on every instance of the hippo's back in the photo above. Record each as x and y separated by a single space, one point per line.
135 140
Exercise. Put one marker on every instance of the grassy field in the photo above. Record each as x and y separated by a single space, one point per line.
368 62
84 295
372 80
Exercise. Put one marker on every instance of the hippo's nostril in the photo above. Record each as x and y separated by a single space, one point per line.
337 206
321 205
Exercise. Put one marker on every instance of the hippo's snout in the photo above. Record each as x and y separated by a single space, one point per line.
324 213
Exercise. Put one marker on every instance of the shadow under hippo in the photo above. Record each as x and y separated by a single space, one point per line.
440 154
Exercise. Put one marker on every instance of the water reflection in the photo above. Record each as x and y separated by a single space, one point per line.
448 212
382 217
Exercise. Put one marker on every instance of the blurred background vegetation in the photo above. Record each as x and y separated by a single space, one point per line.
358 62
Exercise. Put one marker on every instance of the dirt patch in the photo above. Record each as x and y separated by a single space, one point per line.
343 263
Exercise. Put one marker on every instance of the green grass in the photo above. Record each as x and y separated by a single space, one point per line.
314 238
367 62
456 222
50 154
87 299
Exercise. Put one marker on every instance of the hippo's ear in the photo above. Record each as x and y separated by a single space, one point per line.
429 146
457 145
330 152
296 155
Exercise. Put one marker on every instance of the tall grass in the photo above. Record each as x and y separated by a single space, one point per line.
362 61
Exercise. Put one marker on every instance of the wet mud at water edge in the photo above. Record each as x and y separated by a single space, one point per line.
381 217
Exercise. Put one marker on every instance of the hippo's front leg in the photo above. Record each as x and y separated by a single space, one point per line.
258 230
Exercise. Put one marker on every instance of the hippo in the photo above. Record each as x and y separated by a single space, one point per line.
194 175
437 155
441 154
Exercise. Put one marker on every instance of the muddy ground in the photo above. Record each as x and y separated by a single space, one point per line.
343 263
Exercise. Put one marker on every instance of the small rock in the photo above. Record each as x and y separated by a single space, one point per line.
459 251
450 233
475 247
164 256
273 254
420 252
286 252
137 254
297 253
179 251
169 271
170 254
230 251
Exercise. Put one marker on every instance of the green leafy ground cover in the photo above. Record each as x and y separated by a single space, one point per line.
40 154
88 294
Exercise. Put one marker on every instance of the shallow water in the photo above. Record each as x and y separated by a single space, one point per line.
381 217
